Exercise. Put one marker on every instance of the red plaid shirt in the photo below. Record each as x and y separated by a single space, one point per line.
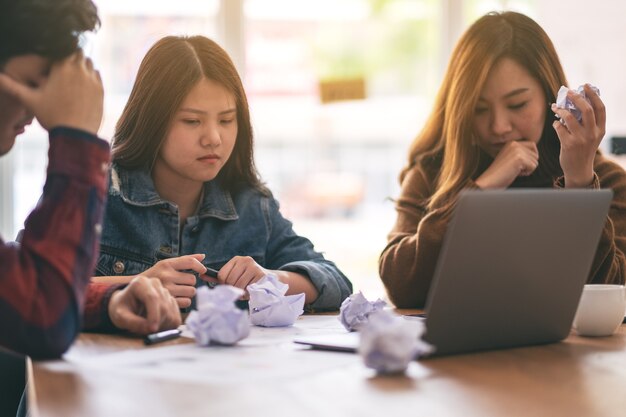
43 280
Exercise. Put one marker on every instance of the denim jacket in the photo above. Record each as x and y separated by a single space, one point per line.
140 228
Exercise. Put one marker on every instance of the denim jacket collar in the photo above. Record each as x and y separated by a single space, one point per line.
137 188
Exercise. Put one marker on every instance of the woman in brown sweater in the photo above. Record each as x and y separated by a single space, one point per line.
493 126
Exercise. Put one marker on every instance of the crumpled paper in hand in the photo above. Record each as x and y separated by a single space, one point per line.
389 342
217 320
270 307
563 102
355 310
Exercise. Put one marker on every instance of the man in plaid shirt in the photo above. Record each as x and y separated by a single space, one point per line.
44 280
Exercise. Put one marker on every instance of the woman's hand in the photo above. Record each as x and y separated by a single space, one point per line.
516 158
176 277
239 272
242 271
580 141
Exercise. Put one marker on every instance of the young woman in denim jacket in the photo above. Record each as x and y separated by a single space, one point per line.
184 191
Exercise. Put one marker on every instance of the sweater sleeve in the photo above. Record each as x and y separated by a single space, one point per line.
408 262
43 279
97 298
288 251
609 265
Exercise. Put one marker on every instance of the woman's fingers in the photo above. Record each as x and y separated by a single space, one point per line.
182 302
186 262
181 278
209 279
240 271
597 104
588 117
187 291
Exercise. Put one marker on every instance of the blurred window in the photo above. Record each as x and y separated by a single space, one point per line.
334 165
337 91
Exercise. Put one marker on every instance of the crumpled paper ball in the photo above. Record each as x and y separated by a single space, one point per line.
217 320
389 342
563 102
355 310
270 307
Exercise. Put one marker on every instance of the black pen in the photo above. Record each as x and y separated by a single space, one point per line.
211 272
161 336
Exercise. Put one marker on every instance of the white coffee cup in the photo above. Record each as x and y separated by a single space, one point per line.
601 310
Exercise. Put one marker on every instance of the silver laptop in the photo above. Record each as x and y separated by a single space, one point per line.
511 269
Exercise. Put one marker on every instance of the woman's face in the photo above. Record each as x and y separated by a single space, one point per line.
512 107
201 137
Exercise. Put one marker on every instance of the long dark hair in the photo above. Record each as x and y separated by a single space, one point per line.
166 75
448 135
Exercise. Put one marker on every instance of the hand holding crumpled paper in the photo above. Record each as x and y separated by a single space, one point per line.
270 307
355 310
563 102
389 342
217 320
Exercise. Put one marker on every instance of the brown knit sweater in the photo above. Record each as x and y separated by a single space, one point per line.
407 263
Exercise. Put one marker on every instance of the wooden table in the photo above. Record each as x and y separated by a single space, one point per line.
578 377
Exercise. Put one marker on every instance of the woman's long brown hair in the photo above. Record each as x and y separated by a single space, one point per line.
166 75
448 134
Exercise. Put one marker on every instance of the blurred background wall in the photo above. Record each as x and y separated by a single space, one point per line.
330 151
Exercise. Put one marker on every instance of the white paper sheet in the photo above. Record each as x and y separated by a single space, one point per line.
267 354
